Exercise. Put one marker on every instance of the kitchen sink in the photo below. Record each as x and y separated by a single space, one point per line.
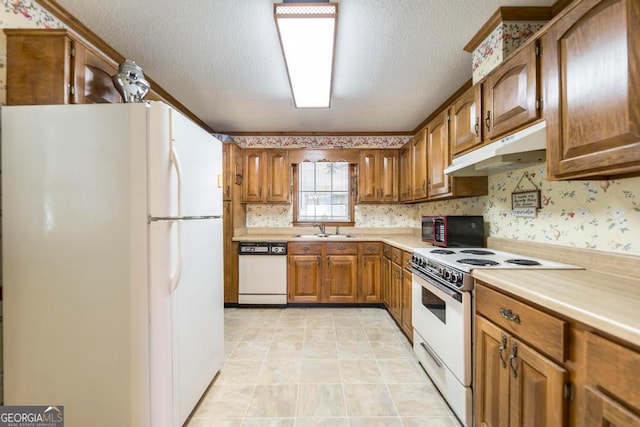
324 235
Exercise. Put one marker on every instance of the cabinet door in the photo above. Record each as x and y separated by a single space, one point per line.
491 375
367 176
592 91
602 410
510 94
38 67
465 121
406 172
407 285
370 278
395 297
92 77
278 176
385 282
227 168
388 175
419 161
304 278
230 249
438 155
253 176
342 278
536 388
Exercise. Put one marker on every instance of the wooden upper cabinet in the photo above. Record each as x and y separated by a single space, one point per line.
53 67
419 161
378 176
510 94
438 155
278 177
406 172
266 176
465 121
592 90
253 176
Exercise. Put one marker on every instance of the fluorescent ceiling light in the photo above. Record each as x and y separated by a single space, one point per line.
307 33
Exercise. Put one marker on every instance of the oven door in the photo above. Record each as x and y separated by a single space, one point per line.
442 318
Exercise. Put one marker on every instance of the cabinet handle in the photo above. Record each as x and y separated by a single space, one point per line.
512 357
487 120
503 346
305 248
371 248
476 128
424 184
509 315
342 247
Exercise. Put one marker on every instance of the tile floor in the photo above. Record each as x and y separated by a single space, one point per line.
319 367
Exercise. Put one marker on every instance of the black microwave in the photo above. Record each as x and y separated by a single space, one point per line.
461 231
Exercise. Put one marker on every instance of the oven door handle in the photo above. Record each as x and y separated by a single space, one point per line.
431 354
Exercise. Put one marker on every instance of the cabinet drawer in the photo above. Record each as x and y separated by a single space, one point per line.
305 248
615 368
406 256
341 248
386 250
396 255
371 248
543 331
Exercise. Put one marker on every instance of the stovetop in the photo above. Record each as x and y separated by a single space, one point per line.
452 266
466 259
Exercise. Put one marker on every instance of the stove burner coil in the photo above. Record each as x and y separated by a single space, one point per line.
523 262
476 261
477 252
442 252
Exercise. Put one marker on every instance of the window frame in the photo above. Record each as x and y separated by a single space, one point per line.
351 200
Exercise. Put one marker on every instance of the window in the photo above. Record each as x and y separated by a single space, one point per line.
322 193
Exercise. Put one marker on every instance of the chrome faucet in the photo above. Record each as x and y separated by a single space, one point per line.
321 227
337 229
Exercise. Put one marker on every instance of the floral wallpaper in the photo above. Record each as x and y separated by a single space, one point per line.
322 141
602 215
20 14
498 45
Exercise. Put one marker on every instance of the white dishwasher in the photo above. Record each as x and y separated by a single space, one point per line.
262 278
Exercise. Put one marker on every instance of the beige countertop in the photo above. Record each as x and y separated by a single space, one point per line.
405 241
605 302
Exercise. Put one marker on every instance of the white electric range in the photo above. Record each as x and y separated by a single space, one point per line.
442 313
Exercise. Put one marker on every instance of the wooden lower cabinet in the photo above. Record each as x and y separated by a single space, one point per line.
304 278
515 384
547 370
395 298
612 394
369 272
341 283
405 309
385 281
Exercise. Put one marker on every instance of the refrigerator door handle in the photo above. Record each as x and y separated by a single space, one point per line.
175 278
176 162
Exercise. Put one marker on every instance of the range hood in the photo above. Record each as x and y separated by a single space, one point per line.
519 149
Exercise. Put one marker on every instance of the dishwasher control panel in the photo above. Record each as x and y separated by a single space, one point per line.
262 248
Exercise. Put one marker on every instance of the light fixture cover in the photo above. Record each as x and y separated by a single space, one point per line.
307 36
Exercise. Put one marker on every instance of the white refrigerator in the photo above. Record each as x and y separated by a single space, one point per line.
112 259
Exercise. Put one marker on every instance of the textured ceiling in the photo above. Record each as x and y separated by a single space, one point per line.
396 60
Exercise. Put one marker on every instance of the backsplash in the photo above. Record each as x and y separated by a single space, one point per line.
602 215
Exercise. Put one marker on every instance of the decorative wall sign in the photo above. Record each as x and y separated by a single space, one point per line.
525 202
